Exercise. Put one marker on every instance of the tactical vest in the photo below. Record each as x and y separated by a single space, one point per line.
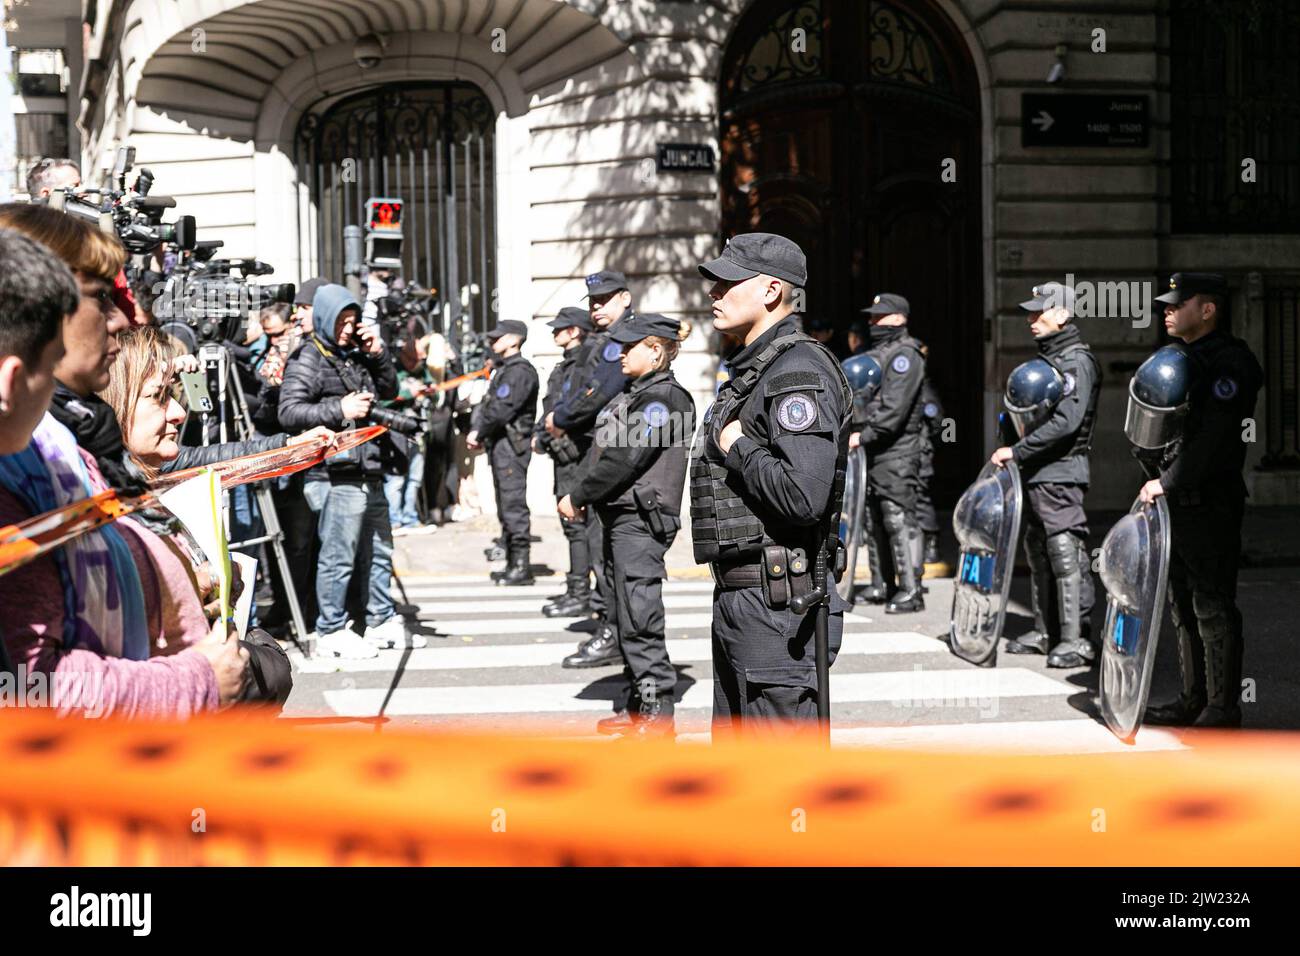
722 523
667 475
1082 444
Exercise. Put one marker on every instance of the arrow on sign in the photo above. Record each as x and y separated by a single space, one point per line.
1043 121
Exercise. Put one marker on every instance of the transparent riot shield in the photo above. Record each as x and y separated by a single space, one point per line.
987 524
1135 572
852 515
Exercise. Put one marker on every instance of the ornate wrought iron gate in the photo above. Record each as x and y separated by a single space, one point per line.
431 144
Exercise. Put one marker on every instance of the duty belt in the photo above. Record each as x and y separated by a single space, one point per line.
782 573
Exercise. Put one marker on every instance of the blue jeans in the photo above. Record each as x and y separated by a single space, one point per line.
403 493
354 532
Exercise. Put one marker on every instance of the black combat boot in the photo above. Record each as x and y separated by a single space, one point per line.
1073 650
1222 674
620 723
598 651
519 572
1187 706
498 576
1040 594
576 601
655 720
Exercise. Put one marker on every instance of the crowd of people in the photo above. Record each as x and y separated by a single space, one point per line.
127 619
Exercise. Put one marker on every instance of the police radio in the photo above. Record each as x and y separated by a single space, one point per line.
384 233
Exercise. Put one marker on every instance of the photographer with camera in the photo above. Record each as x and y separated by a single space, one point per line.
333 380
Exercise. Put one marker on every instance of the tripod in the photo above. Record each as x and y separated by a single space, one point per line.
216 363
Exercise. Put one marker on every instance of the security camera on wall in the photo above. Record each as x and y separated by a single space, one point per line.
369 51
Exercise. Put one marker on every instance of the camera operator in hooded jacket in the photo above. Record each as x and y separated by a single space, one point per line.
333 380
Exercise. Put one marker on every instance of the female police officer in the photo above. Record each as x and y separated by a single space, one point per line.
634 476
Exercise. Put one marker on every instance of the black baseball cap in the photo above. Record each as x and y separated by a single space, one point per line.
572 317
509 327
641 324
887 303
1184 285
758 253
605 282
307 291
1050 295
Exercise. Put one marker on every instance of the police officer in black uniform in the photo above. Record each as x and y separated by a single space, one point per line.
503 425
634 476
571 327
892 438
1200 475
927 517
767 477
598 377
1053 461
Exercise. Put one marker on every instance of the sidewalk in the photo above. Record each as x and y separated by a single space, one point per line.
1270 537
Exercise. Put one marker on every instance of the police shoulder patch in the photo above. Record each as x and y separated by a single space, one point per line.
900 364
503 390
931 410
656 413
1225 389
1069 383
611 352
796 412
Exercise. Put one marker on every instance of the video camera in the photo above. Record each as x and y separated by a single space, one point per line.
213 297
132 215
405 312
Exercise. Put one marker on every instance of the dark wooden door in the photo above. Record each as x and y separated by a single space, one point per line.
839 141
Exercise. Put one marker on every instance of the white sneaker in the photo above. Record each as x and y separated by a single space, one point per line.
393 633
345 644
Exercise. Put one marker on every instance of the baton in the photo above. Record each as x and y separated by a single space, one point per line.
818 600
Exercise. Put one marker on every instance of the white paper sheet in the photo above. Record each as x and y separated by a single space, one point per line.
197 503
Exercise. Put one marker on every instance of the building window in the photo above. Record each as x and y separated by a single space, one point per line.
1235 96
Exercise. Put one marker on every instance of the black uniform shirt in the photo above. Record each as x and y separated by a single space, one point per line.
1050 452
555 391
892 426
1211 454
600 378
791 420
655 417
511 400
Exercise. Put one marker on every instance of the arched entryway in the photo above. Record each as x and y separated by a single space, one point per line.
428 144
838 121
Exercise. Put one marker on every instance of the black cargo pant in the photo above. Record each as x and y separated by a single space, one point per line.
926 516
634 577
894 479
1203 565
575 533
1054 508
510 480
601 602
764 662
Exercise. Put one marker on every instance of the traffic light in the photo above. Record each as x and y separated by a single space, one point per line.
384 233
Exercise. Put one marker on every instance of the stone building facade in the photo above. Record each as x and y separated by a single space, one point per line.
890 137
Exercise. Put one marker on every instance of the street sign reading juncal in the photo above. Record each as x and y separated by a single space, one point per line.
684 157
1083 119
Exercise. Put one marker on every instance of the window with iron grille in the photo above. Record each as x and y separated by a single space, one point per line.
1235 96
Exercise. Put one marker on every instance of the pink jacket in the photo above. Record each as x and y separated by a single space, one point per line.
176 681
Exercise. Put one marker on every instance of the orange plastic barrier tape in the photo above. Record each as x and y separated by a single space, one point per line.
36 536
245 791
276 462
459 380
